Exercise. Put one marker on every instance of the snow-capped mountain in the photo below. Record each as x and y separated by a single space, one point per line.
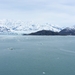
71 27
68 31
4 29
25 27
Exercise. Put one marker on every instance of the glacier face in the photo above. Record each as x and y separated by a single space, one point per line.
25 27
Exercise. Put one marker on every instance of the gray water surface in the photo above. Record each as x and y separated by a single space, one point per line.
37 55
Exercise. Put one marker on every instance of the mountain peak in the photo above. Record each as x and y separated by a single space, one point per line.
27 27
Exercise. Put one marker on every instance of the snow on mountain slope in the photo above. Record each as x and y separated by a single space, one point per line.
25 27
68 31
4 29
70 28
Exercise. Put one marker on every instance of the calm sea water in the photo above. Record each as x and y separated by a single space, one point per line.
37 55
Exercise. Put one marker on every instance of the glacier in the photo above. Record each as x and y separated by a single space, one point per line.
20 27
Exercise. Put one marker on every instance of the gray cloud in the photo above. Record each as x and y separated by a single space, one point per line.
53 11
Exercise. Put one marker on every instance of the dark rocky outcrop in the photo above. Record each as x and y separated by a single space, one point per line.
65 31
44 32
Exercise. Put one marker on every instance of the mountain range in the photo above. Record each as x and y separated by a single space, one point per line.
20 27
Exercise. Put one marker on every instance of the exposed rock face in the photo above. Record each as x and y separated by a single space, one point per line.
45 32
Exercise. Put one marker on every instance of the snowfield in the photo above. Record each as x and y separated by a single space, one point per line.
21 27
25 27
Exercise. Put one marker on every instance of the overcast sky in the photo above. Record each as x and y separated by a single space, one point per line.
60 12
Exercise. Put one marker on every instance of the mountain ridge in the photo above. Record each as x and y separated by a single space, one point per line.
20 27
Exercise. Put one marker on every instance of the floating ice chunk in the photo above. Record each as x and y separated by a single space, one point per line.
43 72
11 48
